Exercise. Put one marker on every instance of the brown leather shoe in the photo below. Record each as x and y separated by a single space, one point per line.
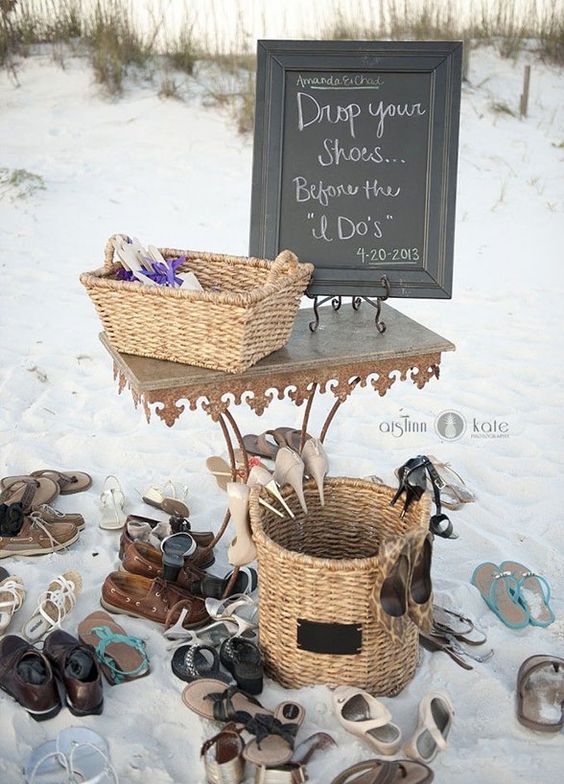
27 676
145 560
76 667
156 600
202 557
51 515
38 537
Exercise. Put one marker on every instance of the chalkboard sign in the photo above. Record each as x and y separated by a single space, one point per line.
355 158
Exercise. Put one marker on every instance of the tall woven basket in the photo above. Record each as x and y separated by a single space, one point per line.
245 312
320 569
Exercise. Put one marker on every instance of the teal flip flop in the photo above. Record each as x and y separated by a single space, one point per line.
533 593
499 590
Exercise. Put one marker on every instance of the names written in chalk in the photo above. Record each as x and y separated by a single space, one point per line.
355 158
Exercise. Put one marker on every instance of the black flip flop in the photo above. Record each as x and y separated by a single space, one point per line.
190 663
175 549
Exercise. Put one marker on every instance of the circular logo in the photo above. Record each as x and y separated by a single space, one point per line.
450 425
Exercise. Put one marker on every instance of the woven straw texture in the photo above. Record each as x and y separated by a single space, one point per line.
249 316
322 567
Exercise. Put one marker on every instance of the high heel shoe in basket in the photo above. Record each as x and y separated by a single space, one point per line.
289 470
316 464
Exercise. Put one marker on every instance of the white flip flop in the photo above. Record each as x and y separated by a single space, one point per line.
112 501
78 754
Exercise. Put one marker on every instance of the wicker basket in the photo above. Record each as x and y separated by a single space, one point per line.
321 568
249 317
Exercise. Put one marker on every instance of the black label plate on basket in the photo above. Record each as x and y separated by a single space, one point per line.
338 639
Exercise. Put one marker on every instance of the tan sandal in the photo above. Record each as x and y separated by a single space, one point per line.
209 698
53 605
69 481
537 696
29 492
378 771
121 656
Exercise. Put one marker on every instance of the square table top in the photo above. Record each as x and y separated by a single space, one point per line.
345 345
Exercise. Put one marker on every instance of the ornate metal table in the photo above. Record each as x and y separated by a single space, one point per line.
345 351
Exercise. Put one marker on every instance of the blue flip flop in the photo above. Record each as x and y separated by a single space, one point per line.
533 593
499 591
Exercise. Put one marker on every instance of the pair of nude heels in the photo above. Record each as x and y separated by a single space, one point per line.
290 467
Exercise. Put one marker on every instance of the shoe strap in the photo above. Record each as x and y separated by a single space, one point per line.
58 597
545 587
16 590
511 584
108 637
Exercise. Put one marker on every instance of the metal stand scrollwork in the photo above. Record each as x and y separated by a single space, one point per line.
337 301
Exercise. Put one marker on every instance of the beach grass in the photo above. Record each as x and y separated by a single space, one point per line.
109 34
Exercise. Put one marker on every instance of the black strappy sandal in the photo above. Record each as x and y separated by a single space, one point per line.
191 662
413 482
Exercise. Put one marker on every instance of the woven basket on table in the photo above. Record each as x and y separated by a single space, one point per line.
321 567
245 312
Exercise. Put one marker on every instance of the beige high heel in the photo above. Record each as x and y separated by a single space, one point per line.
258 475
242 550
289 470
316 464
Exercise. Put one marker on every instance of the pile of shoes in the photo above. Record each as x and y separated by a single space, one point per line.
36 677
29 525
161 583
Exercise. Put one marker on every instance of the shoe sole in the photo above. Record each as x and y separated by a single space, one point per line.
40 550
36 715
119 611
93 712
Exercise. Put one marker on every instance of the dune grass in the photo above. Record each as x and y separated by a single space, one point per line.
108 34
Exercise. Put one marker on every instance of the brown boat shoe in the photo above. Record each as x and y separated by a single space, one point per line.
27 676
202 558
76 667
156 600
38 537
145 560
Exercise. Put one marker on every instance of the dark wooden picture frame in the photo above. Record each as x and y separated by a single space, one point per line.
434 68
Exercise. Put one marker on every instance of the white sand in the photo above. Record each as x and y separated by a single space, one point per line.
177 174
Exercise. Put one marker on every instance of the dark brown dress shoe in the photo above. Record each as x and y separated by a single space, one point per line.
155 600
76 667
27 676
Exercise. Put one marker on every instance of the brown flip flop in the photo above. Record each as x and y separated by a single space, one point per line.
209 698
69 481
260 446
221 470
377 771
29 492
274 741
536 696
121 656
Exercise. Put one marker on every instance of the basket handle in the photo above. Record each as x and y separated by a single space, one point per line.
286 263
110 250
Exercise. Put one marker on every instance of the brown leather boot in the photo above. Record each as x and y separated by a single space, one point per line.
76 667
27 676
155 600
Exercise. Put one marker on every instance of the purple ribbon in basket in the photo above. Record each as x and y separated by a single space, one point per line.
163 273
